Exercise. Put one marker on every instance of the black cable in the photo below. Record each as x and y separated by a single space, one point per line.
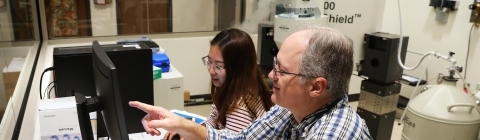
41 78
468 50
46 89
50 91
43 96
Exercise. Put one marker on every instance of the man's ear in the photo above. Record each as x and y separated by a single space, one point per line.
319 86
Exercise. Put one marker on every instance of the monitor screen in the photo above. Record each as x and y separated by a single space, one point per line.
74 73
107 89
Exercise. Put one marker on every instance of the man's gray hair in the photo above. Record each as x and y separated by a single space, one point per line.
328 54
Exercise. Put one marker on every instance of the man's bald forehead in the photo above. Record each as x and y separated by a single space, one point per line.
293 46
300 37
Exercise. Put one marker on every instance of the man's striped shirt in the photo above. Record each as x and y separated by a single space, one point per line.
334 121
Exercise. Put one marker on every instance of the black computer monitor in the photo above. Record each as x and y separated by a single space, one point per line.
74 74
106 85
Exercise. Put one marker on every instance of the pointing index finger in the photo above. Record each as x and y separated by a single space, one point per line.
145 107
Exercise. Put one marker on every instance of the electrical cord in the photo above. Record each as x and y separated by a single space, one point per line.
438 55
414 90
49 95
426 71
401 42
426 74
470 94
468 49
46 89
41 78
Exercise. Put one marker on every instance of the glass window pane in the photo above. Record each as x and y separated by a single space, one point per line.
13 58
16 21
19 34
7 120
79 18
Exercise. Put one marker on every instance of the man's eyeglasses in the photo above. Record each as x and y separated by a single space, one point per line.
276 71
208 65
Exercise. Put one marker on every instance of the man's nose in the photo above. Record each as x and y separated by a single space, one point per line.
270 75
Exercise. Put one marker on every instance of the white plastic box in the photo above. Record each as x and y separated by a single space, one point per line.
58 119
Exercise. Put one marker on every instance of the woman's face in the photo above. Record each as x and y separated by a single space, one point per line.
216 68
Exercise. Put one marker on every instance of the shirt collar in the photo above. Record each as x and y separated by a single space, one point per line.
309 119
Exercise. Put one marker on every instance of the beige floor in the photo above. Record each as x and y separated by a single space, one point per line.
204 110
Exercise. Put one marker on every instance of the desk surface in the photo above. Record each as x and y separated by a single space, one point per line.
396 134
144 136
134 136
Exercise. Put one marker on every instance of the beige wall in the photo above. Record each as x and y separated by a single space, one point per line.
426 34
104 20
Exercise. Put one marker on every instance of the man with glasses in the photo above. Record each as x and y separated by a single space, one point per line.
311 76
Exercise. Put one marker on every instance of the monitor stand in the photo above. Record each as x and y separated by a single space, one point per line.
84 107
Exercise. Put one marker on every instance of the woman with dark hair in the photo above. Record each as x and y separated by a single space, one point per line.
239 92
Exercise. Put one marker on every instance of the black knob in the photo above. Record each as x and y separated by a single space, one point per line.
472 6
451 53
459 68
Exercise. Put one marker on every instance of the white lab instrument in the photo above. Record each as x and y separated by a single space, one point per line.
168 90
292 13
442 112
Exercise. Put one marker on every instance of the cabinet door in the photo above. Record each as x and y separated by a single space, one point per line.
157 16
144 16
21 12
